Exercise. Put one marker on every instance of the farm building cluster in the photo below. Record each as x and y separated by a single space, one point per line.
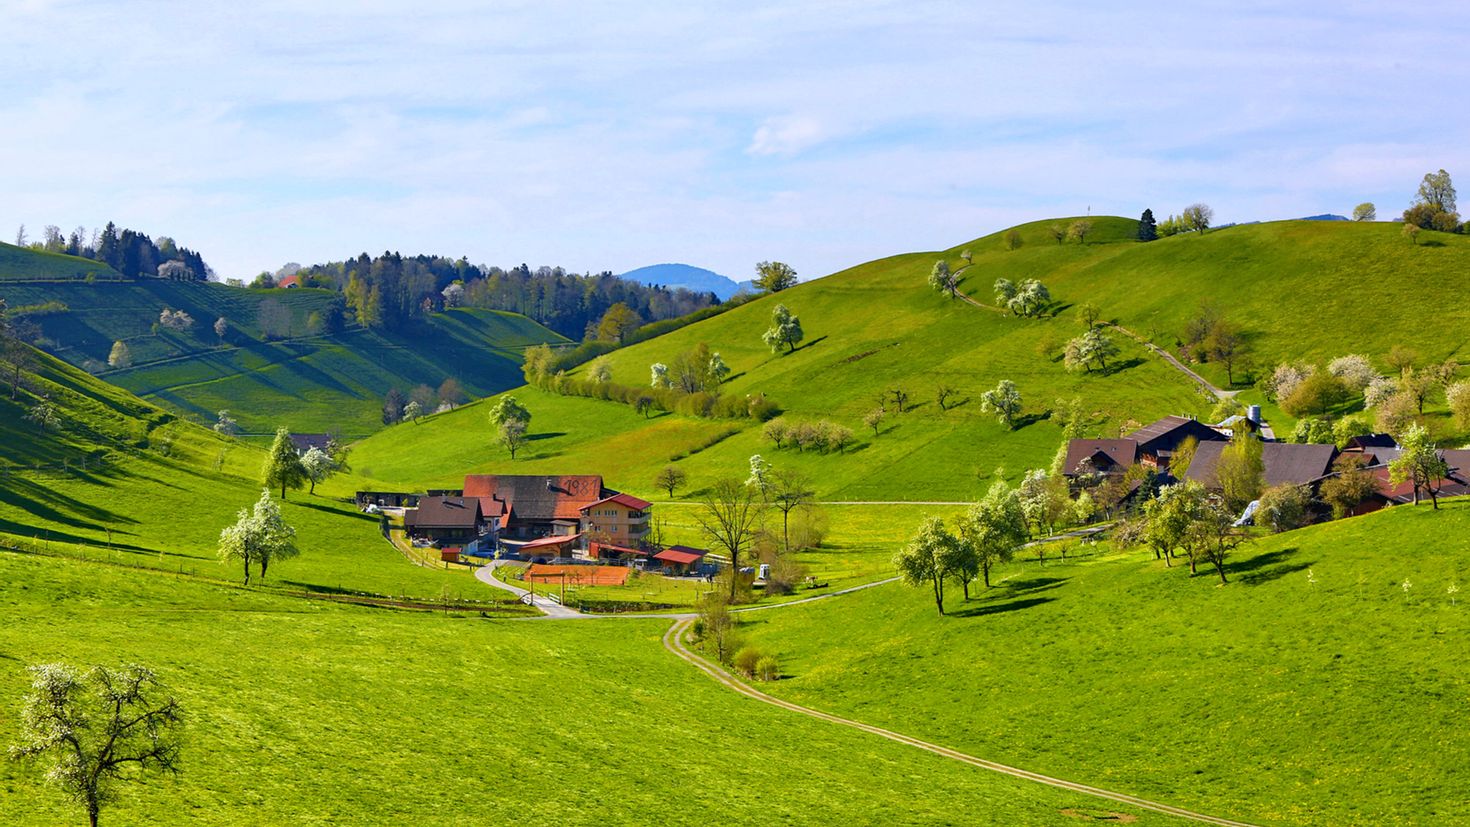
544 519
1152 450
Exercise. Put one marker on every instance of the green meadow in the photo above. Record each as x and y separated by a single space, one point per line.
303 713
1326 684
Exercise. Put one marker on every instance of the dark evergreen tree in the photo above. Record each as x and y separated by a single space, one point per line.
1148 229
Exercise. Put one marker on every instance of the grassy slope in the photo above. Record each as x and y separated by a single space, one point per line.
1272 699
1301 289
166 489
868 329
19 264
334 382
313 714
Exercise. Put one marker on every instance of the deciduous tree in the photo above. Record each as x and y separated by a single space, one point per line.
509 409
618 323
121 356
1420 463
785 330
1365 212
670 478
1004 400
89 727
941 279
774 276
1199 217
728 517
1240 471
929 559
317 465
992 530
512 434
258 536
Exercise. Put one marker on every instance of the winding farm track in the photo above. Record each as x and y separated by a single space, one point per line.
674 642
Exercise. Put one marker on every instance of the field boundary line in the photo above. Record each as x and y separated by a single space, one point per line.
673 641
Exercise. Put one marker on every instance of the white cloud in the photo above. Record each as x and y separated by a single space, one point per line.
786 135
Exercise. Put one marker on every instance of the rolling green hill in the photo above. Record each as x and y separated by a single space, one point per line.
120 480
312 383
1323 685
18 264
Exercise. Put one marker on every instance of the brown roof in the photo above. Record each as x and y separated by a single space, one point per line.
444 512
536 497
1108 455
1166 434
1284 462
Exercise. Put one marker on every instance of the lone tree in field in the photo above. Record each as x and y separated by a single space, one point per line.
670 478
1198 217
929 559
1212 537
1013 241
258 536
1365 212
507 409
785 330
283 464
728 517
1434 207
941 279
1079 230
1004 400
512 435
874 419
88 726
1092 346
774 276
992 530
226 424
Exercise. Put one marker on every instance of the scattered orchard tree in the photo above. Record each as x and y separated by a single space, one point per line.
1058 232
1079 230
282 464
512 435
774 276
1317 394
508 409
44 414
450 394
88 727
1094 346
1170 515
226 425
785 330
121 356
1420 463
221 328
718 370
1354 371
1212 537
929 559
1458 397
659 376
1088 314
258 537
670 478
1013 241
413 410
600 371
1198 217
992 530
318 465
944 395
1379 390
1365 212
728 518
393 403
789 490
941 279
874 419
1004 400
1411 232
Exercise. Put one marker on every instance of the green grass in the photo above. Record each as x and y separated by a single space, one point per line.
311 384
1274 699
22 264
312 714
166 488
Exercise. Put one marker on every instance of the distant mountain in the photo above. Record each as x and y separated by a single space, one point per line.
1326 217
689 277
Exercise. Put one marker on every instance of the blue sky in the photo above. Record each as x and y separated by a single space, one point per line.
609 136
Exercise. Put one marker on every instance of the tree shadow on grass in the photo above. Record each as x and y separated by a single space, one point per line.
1034 584
1263 568
1001 608
336 512
1030 419
1119 367
812 343
546 435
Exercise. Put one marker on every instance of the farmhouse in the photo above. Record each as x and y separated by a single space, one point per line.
680 559
1284 462
621 518
446 521
1152 445
534 506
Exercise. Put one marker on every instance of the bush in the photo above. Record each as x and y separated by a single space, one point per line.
746 660
768 668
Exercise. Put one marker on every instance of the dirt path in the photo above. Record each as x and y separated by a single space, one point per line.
1220 393
673 641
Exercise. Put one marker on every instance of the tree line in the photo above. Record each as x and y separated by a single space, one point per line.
129 252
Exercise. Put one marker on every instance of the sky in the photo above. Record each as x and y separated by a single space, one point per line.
608 136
